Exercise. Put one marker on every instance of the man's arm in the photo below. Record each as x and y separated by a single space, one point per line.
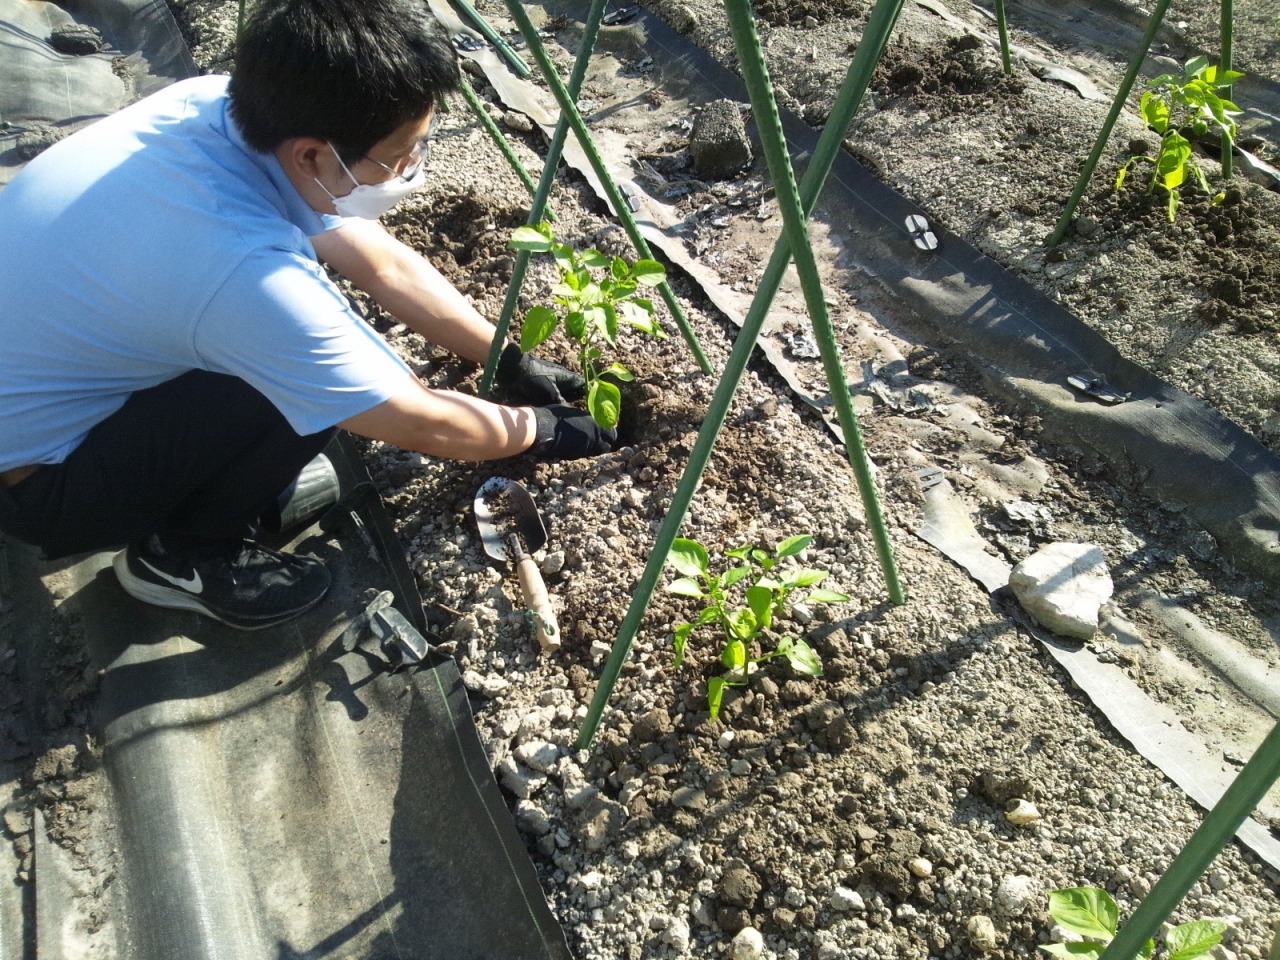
444 423
407 286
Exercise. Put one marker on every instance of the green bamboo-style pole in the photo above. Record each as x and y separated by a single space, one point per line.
579 72
569 109
1002 24
504 49
1135 65
1244 793
880 23
1228 33
755 72
498 137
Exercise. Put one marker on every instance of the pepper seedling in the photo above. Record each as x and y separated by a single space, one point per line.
1173 107
593 306
766 589
1091 913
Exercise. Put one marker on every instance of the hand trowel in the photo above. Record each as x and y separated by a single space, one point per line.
511 530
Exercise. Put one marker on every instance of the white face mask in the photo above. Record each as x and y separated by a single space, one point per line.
369 201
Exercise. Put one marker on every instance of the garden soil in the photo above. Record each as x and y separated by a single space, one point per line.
861 814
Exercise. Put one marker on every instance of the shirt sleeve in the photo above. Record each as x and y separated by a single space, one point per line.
280 324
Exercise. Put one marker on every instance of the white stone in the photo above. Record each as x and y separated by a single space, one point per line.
538 755
920 867
748 944
1016 895
676 934
1022 812
1063 586
843 899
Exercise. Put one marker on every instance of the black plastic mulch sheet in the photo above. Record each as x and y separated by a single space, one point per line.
275 795
44 89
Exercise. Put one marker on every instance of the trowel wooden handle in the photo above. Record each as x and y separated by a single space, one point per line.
535 598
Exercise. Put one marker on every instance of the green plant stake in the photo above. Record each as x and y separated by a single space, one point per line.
1173 105
498 138
1227 33
519 66
569 109
1244 793
1002 25
1122 94
880 23
541 195
744 626
593 308
1091 913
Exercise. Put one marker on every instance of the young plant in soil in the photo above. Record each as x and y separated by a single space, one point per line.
1091 913
596 295
1180 110
766 589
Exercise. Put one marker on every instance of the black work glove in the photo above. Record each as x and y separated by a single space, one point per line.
537 381
567 433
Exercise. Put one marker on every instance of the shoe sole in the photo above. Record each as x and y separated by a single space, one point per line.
174 599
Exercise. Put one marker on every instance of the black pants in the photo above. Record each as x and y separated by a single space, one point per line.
202 456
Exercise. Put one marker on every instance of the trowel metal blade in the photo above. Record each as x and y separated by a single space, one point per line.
504 509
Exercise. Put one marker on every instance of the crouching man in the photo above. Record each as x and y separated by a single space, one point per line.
172 353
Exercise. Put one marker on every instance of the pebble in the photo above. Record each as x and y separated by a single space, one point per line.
1016 895
747 944
982 933
552 563
538 755
844 900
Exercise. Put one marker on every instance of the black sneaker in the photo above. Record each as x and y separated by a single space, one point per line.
240 583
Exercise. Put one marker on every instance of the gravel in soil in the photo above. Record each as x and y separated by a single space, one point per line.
862 814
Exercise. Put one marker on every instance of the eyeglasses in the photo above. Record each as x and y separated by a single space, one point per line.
419 153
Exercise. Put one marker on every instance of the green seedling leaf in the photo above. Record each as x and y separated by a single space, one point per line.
575 325
734 574
1191 941
793 545
827 596
1195 66
681 637
619 269
715 695
539 323
760 600
734 655
685 587
802 657
604 403
689 557
618 372
803 578
1087 911
742 626
593 258
531 239
648 273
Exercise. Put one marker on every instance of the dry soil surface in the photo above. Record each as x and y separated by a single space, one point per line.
861 814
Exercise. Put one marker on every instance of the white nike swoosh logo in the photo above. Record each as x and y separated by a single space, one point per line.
191 584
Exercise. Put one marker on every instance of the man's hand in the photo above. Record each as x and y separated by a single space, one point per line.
537 381
567 433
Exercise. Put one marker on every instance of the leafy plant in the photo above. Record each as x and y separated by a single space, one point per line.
1175 107
766 590
1092 913
593 307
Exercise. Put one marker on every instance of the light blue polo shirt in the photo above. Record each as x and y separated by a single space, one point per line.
155 242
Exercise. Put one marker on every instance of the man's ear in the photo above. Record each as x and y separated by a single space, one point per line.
304 157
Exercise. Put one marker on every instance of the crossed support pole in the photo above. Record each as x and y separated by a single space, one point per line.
570 118
795 204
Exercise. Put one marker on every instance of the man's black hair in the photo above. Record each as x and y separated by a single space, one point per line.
350 71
